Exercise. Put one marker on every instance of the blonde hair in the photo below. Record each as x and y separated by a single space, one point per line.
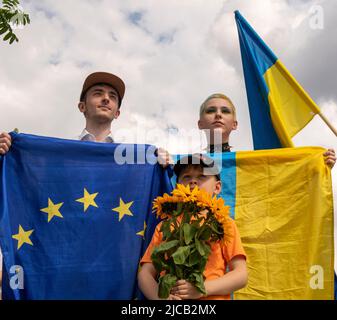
214 96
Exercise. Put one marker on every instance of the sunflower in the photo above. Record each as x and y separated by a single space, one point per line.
199 196
209 220
221 214
204 199
185 193
158 205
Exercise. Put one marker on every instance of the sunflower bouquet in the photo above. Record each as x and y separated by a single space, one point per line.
193 219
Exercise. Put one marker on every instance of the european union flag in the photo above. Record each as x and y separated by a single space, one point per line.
76 217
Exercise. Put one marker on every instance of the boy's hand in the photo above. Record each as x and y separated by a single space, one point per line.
173 297
5 142
164 157
330 157
186 290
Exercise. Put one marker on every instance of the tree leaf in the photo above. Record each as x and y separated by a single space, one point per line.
11 15
8 35
13 37
3 30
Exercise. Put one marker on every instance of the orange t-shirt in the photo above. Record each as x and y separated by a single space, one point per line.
217 261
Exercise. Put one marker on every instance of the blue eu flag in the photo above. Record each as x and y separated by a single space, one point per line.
76 217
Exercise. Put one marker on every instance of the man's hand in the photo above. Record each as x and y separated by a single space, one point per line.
164 158
186 290
330 157
5 143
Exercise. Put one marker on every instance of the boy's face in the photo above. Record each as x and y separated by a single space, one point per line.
193 175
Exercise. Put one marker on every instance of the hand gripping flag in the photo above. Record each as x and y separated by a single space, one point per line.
279 107
75 217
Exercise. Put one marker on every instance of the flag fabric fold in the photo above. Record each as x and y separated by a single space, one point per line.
279 107
73 220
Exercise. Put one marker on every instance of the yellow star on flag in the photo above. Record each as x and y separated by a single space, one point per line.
23 236
142 233
52 209
123 209
88 199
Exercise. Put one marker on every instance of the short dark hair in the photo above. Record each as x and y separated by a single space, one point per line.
197 159
183 169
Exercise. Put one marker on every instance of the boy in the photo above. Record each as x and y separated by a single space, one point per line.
199 170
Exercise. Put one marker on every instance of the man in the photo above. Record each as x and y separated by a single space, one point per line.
100 102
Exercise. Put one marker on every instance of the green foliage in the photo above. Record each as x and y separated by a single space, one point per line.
11 16
186 247
166 282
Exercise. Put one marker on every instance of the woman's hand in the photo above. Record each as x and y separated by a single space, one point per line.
330 157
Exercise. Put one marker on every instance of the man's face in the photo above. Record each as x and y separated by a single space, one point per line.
218 115
100 104
193 175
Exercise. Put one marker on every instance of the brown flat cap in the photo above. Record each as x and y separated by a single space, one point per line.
107 78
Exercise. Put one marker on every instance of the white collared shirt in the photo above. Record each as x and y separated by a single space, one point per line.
87 136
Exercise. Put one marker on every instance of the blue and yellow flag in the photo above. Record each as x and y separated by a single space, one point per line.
282 204
279 107
75 217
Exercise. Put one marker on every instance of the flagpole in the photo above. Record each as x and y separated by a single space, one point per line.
328 123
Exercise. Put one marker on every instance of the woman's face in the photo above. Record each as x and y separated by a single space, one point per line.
218 115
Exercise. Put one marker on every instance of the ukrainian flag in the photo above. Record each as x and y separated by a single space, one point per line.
281 201
279 107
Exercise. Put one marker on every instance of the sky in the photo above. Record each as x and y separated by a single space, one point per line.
171 55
